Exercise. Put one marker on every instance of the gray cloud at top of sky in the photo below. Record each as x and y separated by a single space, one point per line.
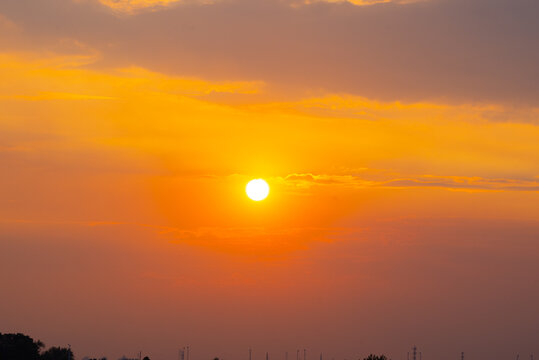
439 50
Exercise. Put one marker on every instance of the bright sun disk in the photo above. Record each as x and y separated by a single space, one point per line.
257 189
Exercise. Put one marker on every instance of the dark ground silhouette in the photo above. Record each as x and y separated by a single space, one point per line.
23 347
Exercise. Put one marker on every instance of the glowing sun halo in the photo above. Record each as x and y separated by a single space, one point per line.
257 189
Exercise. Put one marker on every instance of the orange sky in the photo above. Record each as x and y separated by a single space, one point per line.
400 140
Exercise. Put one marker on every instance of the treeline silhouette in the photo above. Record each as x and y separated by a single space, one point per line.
23 347
375 357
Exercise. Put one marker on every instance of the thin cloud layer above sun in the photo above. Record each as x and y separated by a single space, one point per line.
135 6
364 2
58 76
440 51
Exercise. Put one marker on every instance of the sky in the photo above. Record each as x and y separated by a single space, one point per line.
400 141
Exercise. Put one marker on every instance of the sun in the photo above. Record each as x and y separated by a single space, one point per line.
257 189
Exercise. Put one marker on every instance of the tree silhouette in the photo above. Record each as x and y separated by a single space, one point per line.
57 353
376 357
19 347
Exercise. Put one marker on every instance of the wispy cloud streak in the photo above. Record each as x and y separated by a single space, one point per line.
304 181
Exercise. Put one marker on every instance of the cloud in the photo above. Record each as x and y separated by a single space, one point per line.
37 77
44 95
257 240
364 2
465 183
307 180
136 6
356 107
444 51
470 183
